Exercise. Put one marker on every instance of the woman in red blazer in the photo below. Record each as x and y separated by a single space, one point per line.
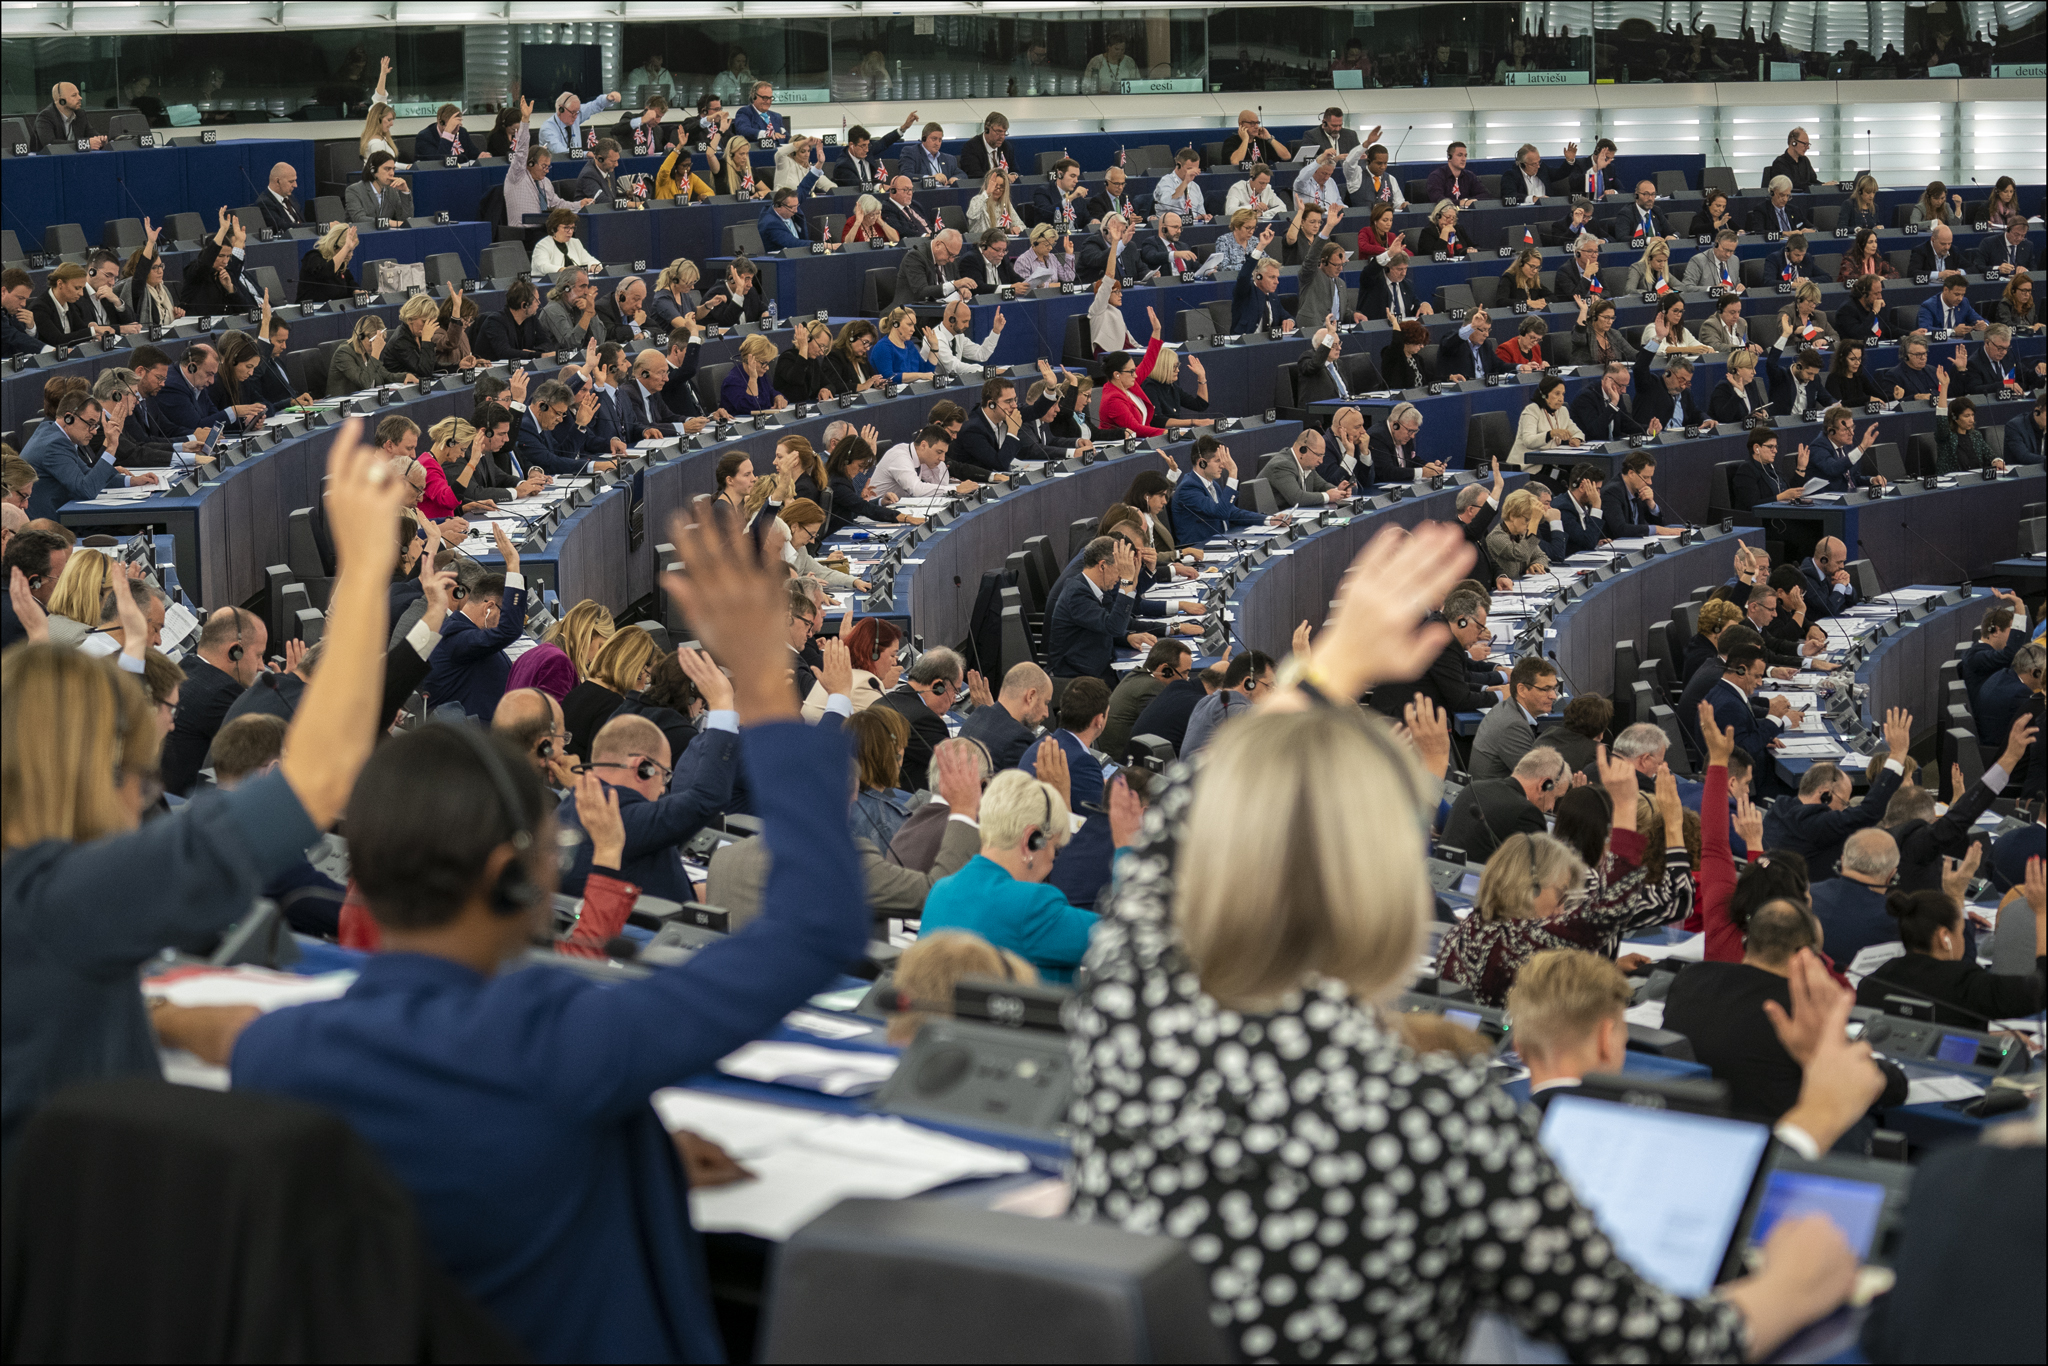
1526 346
1123 402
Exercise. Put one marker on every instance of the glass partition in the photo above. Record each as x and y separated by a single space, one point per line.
300 72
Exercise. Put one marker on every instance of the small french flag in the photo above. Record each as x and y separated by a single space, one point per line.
1663 284
1528 237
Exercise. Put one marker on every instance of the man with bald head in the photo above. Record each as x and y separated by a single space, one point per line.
532 720
1007 728
62 121
229 657
1829 591
281 213
630 753
921 277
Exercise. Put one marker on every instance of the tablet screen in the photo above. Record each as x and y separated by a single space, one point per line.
1625 1162
1467 1018
1852 1206
1957 1048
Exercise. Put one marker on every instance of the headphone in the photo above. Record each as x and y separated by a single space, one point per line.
644 770
235 650
514 891
1037 839
1549 785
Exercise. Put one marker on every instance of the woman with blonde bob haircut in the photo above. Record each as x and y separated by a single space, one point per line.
930 969
1236 1075
75 601
623 664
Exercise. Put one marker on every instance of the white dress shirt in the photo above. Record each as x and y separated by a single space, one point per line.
899 472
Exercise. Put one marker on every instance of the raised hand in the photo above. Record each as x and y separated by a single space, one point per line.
1618 776
1429 729
1126 813
958 780
35 622
836 674
1956 873
597 808
1052 768
1748 822
506 549
711 683
737 606
2017 742
1375 631
1898 732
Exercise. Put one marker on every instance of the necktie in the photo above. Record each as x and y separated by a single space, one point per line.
1784 224
1400 303
1337 379
1948 317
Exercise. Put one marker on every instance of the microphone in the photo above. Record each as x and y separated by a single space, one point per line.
1962 578
1399 145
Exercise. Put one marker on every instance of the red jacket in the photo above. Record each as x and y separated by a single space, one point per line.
1717 874
438 499
1513 352
1129 408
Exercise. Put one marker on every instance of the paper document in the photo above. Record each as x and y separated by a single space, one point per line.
1813 486
263 988
1650 1015
1692 949
835 1071
804 1162
1921 1090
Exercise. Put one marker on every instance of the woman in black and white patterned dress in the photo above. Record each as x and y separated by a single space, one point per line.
1237 1087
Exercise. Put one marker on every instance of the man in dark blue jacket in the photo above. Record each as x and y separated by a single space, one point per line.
660 397
1629 506
1667 397
1603 410
469 665
18 324
2002 696
1061 201
1584 527
1255 299
1850 905
1008 725
660 808
183 404
1814 823
476 1084
1093 616
1081 868
546 439
1204 501
782 223
1997 643
1744 671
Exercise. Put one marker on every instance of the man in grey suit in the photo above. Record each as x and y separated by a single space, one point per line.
739 871
1319 298
1509 732
921 278
380 195
1715 268
1293 477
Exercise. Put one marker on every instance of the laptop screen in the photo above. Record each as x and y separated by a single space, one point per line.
1852 1206
1623 1161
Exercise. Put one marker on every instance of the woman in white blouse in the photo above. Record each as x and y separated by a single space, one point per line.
377 135
1545 422
1678 341
794 171
560 249
992 208
1106 330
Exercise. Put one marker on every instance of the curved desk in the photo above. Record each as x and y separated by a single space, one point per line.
1296 582
937 595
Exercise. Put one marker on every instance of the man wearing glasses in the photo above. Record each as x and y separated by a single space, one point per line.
631 754
758 121
1509 732
1794 166
536 443
64 471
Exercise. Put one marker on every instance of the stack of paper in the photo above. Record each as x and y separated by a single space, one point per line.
804 1162
834 1071
1923 1090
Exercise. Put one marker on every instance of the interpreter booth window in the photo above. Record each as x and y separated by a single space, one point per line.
179 80
915 56
726 58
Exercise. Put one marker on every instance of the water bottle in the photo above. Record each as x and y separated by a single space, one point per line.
769 319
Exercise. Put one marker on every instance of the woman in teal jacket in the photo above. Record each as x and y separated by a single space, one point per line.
1001 894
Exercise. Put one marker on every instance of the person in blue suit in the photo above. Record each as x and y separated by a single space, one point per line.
1082 869
782 224
1745 671
1838 457
1061 200
1997 643
1850 905
184 403
2023 434
1950 310
661 807
1255 299
758 117
1092 616
469 666
1814 823
56 450
514 1105
2002 696
1204 503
